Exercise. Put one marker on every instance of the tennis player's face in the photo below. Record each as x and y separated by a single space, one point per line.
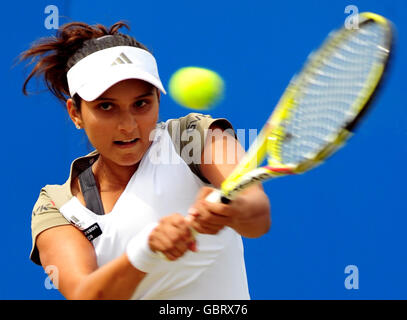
119 122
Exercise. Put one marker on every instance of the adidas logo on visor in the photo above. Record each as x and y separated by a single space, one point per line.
121 59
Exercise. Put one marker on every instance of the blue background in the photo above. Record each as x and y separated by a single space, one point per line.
350 211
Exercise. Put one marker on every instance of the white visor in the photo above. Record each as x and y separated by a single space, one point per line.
97 72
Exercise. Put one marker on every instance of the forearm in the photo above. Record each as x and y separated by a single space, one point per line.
117 279
256 219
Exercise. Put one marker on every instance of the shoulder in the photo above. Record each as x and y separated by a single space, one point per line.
197 121
194 128
45 213
189 134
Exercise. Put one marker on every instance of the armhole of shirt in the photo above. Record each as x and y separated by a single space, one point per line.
194 121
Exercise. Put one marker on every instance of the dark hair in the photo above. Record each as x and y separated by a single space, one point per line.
54 56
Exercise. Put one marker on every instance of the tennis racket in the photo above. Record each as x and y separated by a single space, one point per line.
320 108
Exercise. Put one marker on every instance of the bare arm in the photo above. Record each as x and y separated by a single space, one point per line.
67 249
249 213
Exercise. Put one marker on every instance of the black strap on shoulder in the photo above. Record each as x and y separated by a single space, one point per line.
90 191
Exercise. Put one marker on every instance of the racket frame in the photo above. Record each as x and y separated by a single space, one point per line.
268 142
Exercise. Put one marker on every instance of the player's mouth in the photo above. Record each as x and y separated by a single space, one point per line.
126 143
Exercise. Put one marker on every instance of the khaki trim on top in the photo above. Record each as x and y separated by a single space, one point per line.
46 213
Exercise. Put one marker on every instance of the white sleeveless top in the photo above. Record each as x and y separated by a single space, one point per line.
163 184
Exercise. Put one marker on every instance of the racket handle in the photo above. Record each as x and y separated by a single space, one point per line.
214 197
193 231
217 197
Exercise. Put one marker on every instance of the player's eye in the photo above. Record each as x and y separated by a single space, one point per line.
105 106
140 104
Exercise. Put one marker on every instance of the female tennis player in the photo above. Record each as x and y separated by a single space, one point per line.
121 226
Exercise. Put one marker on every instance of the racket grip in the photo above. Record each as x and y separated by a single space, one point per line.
193 231
214 197
217 197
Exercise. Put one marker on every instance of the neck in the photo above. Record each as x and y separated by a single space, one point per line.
111 176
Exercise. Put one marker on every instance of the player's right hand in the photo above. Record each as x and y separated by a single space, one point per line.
172 237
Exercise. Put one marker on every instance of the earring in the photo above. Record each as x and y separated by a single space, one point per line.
77 126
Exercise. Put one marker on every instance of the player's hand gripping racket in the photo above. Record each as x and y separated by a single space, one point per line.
320 108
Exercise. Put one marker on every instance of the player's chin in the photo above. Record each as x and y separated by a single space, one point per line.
128 157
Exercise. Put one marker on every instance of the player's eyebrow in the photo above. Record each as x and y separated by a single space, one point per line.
147 94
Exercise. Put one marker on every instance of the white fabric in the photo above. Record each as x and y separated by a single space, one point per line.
139 253
157 189
97 72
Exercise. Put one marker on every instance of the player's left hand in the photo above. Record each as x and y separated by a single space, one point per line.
210 218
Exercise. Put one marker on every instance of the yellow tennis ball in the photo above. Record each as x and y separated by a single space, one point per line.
196 88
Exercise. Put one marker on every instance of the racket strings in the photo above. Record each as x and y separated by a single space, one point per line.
328 93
